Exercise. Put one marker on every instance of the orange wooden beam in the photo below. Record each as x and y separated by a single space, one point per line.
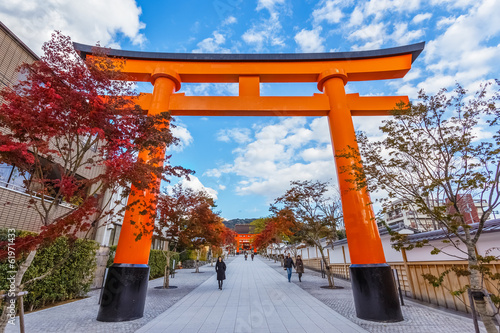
389 67
281 106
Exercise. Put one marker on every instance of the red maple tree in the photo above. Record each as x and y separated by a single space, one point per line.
278 227
187 221
74 134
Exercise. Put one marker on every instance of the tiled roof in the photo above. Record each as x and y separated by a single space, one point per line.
489 226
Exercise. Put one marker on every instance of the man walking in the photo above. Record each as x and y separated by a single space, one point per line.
288 265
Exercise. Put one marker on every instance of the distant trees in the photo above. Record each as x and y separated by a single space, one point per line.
186 220
434 154
278 228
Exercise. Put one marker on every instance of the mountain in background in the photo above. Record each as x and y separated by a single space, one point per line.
231 223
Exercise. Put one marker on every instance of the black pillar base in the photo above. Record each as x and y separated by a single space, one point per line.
124 294
375 294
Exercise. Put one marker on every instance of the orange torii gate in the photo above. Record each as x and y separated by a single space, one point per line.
372 282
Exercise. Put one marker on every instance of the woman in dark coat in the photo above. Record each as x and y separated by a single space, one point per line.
299 267
220 268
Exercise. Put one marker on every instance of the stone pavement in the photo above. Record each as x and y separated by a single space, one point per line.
255 293
255 298
418 318
80 316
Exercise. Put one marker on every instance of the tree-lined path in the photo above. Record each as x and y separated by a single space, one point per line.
255 298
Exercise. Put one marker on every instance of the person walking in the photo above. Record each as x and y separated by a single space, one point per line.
252 256
220 268
299 267
288 265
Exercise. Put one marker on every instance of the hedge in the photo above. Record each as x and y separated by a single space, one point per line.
157 262
71 279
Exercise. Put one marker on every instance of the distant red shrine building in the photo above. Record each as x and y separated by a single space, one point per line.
244 237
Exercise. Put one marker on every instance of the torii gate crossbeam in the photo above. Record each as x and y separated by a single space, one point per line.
372 281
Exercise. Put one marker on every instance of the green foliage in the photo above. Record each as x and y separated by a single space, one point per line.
111 258
231 223
74 263
341 234
158 261
435 251
436 281
260 224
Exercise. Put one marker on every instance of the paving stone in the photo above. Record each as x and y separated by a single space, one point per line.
256 298
418 318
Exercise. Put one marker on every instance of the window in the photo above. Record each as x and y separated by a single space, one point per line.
12 177
115 235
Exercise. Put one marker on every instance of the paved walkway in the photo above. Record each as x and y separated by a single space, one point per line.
418 318
255 298
80 316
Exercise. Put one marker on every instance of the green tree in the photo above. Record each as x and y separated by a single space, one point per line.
433 156
259 224
316 215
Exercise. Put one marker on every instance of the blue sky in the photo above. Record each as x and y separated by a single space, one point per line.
247 162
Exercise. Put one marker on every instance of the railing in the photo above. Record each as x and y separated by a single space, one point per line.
24 190
14 187
390 218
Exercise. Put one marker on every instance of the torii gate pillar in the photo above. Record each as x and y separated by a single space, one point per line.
126 284
375 297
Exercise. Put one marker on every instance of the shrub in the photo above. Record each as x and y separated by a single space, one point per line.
74 264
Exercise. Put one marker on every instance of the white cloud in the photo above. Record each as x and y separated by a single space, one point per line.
376 34
288 149
212 44
421 17
402 36
381 8
269 4
310 40
317 154
463 52
185 138
239 135
195 184
356 17
445 22
330 12
267 30
210 89
229 20
373 35
85 21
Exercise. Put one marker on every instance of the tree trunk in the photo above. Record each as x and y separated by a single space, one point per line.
331 283
475 286
17 281
197 261
166 278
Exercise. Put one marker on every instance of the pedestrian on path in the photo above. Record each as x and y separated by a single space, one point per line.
288 265
220 268
299 267
252 256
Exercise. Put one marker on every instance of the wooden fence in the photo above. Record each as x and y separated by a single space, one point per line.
414 285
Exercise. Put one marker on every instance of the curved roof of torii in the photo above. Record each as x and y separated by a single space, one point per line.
414 49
